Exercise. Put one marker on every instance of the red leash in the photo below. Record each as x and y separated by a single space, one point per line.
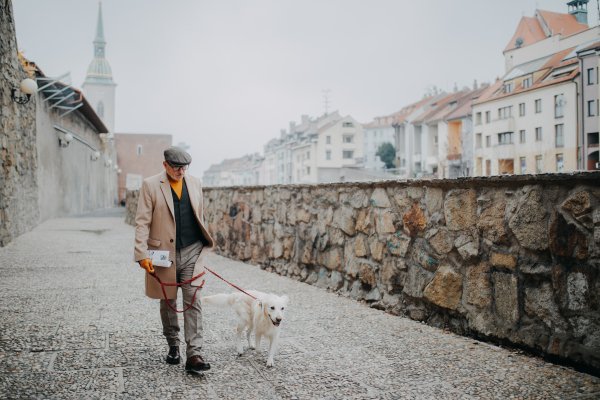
162 286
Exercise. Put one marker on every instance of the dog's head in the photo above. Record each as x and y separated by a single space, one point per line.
274 307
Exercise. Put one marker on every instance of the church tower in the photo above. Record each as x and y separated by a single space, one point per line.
99 88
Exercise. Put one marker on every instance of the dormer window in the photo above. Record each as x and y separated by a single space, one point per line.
509 87
453 105
434 106
527 82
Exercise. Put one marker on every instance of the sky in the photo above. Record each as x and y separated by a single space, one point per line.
225 76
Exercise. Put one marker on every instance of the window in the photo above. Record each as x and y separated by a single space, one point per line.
509 87
538 106
478 118
328 140
488 117
478 140
522 136
560 138
590 76
538 164
348 154
591 108
139 149
527 82
308 170
488 167
560 164
505 112
308 155
366 159
488 141
559 106
347 124
453 105
522 110
298 158
523 165
505 138
100 109
347 139
538 134
328 155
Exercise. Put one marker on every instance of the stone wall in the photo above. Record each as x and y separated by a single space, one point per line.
511 258
131 201
18 188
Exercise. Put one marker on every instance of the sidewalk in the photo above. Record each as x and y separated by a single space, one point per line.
77 325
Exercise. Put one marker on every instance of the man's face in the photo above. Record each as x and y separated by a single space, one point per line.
175 172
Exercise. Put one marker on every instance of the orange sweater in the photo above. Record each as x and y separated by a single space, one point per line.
177 187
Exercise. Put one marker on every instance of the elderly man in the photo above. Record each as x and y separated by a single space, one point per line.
169 217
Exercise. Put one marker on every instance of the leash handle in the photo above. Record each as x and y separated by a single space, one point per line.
229 283
162 286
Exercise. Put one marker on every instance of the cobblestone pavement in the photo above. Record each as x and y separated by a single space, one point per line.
76 325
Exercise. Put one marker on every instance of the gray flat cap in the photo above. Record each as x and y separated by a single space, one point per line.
177 155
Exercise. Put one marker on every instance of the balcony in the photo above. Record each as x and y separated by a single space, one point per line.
432 160
504 151
503 125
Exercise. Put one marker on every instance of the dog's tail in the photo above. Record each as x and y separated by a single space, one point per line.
220 301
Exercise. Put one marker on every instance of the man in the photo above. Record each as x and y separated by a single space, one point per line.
169 217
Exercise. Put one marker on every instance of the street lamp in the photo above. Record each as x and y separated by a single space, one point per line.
95 155
65 140
108 163
29 87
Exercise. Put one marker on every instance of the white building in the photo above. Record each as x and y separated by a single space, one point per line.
374 135
241 171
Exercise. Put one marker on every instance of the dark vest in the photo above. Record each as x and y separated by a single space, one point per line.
187 229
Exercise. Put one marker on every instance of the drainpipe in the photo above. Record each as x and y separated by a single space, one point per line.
580 136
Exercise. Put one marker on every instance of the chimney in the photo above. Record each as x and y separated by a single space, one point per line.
497 79
292 127
578 9
455 87
283 134
475 85
305 120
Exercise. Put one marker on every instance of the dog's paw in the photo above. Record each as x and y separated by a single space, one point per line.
251 347
258 350
269 363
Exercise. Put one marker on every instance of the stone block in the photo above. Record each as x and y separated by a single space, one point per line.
460 209
566 239
491 223
506 293
322 242
332 260
399 245
367 275
277 249
539 301
529 223
288 243
308 254
596 217
385 223
434 200
424 258
337 280
256 215
376 248
577 291
586 220
360 249
403 202
379 198
358 199
389 272
303 215
374 295
415 192
416 280
352 267
469 251
345 220
504 260
478 285
578 204
323 279
363 223
536 270
414 222
441 240
446 288
284 194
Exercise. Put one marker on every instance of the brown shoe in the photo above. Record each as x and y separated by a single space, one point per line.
173 356
196 364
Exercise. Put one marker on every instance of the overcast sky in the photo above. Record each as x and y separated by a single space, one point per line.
225 76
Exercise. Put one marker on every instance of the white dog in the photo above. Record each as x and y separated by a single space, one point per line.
262 316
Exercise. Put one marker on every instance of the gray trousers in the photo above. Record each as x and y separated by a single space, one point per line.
192 318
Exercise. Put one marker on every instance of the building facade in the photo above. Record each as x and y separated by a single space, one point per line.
589 107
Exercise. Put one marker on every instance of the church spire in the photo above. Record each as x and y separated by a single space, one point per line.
99 42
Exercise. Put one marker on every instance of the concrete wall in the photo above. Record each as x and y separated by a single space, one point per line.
18 184
69 181
148 163
513 258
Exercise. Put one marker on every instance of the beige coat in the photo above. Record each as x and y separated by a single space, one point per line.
155 229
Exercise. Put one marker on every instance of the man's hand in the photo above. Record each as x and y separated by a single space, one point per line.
147 265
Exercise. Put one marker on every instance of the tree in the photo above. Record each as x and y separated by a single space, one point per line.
387 154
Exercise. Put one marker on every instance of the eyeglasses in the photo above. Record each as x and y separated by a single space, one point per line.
178 168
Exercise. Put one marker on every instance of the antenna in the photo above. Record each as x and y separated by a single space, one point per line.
326 95
598 1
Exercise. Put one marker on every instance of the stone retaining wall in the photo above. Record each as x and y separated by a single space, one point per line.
511 258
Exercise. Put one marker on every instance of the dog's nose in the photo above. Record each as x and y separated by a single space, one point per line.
278 319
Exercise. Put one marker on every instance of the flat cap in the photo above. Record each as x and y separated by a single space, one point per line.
177 155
